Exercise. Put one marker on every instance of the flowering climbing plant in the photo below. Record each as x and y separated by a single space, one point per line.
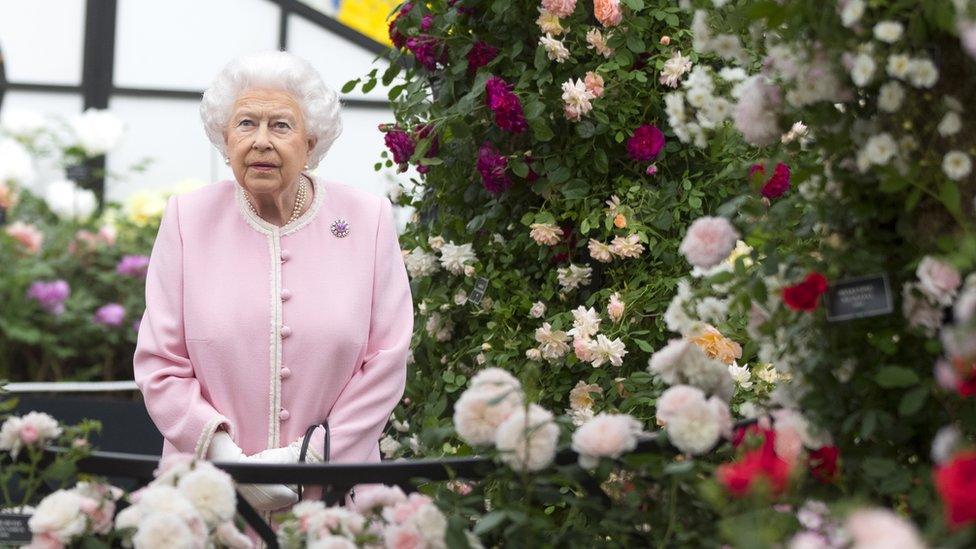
640 210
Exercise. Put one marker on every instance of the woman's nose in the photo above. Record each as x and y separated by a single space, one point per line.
261 139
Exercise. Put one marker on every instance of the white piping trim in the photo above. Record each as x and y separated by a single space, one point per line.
69 386
206 437
276 344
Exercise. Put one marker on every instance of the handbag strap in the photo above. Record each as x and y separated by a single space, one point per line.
304 451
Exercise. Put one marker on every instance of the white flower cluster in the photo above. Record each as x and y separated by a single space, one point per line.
33 429
96 132
726 46
66 516
420 263
191 503
707 109
588 345
457 258
16 165
493 411
574 276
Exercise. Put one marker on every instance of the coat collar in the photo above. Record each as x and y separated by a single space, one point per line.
262 226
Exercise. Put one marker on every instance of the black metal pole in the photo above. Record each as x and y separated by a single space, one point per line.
96 78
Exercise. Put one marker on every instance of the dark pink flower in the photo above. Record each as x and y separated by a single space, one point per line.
646 143
425 49
492 167
398 39
778 184
480 55
400 144
426 22
505 105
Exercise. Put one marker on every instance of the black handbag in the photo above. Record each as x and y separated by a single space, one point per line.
304 451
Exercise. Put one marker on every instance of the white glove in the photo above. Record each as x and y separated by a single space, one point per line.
263 497
290 453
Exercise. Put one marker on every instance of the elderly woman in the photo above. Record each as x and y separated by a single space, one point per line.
276 300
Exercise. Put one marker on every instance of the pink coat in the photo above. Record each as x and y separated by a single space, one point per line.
266 330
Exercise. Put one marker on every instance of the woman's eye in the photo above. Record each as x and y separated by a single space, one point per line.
243 122
282 124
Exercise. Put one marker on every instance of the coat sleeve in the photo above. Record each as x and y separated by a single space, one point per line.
364 405
161 365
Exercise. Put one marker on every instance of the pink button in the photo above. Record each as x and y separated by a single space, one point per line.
285 255
285 373
285 294
285 331
284 415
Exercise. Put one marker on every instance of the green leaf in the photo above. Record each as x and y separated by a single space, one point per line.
576 188
644 345
600 162
519 168
635 5
489 522
694 202
634 43
896 376
540 130
912 401
349 86
560 175
949 195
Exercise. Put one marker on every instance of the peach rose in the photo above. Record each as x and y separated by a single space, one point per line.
607 12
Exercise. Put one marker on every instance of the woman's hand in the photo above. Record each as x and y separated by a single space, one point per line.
263 497
291 453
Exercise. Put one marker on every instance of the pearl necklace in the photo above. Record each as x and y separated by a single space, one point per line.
299 202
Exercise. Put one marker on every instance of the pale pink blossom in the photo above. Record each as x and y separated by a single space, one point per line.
581 348
545 234
549 23
552 343
538 309
615 308
559 8
606 435
597 41
600 251
28 236
403 537
607 12
877 527
938 280
594 83
674 399
673 69
626 246
709 240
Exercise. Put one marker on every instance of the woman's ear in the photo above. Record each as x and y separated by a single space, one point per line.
312 141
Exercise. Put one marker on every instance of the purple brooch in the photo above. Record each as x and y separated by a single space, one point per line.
340 227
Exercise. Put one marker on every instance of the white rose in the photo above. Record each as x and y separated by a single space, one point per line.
482 408
59 515
899 65
22 123
211 491
851 12
862 70
164 531
890 97
950 124
957 165
527 441
70 202
922 73
888 31
96 131
15 163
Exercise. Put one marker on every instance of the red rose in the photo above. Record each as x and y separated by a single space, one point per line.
967 377
956 483
646 143
778 184
761 465
805 295
823 464
742 433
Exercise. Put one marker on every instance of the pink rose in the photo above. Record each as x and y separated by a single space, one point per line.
882 528
26 235
403 537
559 8
28 434
581 347
606 435
615 309
709 241
607 12
594 83
938 280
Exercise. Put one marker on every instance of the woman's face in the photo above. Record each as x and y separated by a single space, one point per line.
266 140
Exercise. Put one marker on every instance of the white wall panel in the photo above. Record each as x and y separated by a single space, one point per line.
167 130
183 44
43 40
338 59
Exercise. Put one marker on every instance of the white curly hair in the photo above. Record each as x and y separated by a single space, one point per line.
278 70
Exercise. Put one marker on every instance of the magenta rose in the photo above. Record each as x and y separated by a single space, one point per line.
646 143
